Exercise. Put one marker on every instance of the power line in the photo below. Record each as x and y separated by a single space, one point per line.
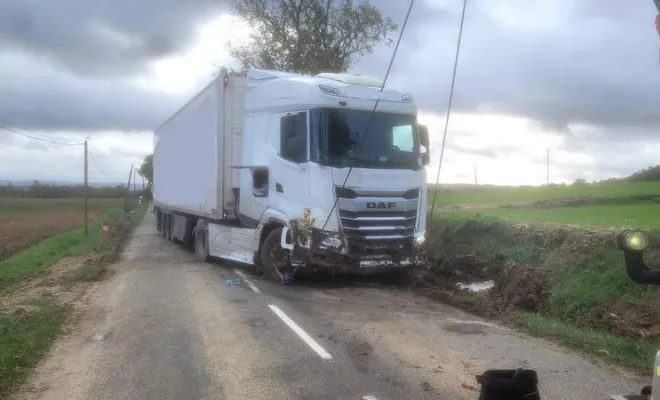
44 135
451 98
4 125
97 164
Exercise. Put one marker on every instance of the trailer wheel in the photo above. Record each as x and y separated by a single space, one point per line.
163 225
159 221
168 227
202 245
275 263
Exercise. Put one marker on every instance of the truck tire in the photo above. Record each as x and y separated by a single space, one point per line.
201 242
168 228
172 236
274 259
159 221
163 224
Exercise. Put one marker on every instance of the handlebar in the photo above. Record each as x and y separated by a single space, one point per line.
633 244
638 271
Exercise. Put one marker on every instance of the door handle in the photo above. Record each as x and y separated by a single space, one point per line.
279 188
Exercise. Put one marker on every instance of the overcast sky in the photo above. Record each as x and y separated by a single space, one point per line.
580 78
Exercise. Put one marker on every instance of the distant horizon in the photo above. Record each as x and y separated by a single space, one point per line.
28 182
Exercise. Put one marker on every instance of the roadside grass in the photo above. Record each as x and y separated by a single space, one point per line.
632 353
641 216
37 258
515 195
94 272
598 279
10 206
28 330
25 337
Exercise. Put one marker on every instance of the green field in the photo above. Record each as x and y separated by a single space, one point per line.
495 196
643 216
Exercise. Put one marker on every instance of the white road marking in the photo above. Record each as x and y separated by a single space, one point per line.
249 282
301 333
369 398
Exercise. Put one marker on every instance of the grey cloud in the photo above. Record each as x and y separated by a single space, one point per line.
106 37
598 67
45 99
36 145
490 152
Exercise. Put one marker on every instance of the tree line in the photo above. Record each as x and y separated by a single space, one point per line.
39 190
648 174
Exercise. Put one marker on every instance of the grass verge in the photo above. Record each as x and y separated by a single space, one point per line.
636 354
24 337
28 329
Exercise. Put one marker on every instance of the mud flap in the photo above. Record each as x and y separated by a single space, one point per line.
283 243
288 276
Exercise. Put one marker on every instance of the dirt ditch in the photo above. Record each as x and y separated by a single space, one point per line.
572 274
515 286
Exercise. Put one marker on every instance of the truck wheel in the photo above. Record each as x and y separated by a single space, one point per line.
202 245
159 222
274 259
168 230
171 236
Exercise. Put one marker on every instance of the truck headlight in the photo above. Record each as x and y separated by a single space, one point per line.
420 237
331 242
632 240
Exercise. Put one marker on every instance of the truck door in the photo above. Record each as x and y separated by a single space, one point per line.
289 175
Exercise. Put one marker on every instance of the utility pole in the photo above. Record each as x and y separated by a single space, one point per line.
134 178
476 181
547 166
128 189
86 194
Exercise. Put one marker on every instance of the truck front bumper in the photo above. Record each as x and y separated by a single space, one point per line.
328 250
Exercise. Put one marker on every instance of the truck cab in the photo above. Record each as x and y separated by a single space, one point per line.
317 158
311 171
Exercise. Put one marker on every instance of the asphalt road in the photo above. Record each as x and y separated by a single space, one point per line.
164 326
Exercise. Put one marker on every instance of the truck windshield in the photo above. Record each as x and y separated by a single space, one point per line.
339 140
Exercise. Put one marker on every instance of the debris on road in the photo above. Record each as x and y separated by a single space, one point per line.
476 286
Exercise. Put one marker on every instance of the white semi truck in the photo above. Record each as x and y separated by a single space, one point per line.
254 169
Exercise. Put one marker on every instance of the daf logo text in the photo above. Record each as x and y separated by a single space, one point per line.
380 204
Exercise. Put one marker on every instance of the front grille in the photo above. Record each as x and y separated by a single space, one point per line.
378 225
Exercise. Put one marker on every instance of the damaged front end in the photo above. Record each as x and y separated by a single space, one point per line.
311 248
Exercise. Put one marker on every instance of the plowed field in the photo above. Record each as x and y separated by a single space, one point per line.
26 222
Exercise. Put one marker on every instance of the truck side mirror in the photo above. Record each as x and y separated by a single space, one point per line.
424 142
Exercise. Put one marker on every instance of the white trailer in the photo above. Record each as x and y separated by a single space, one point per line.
254 169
